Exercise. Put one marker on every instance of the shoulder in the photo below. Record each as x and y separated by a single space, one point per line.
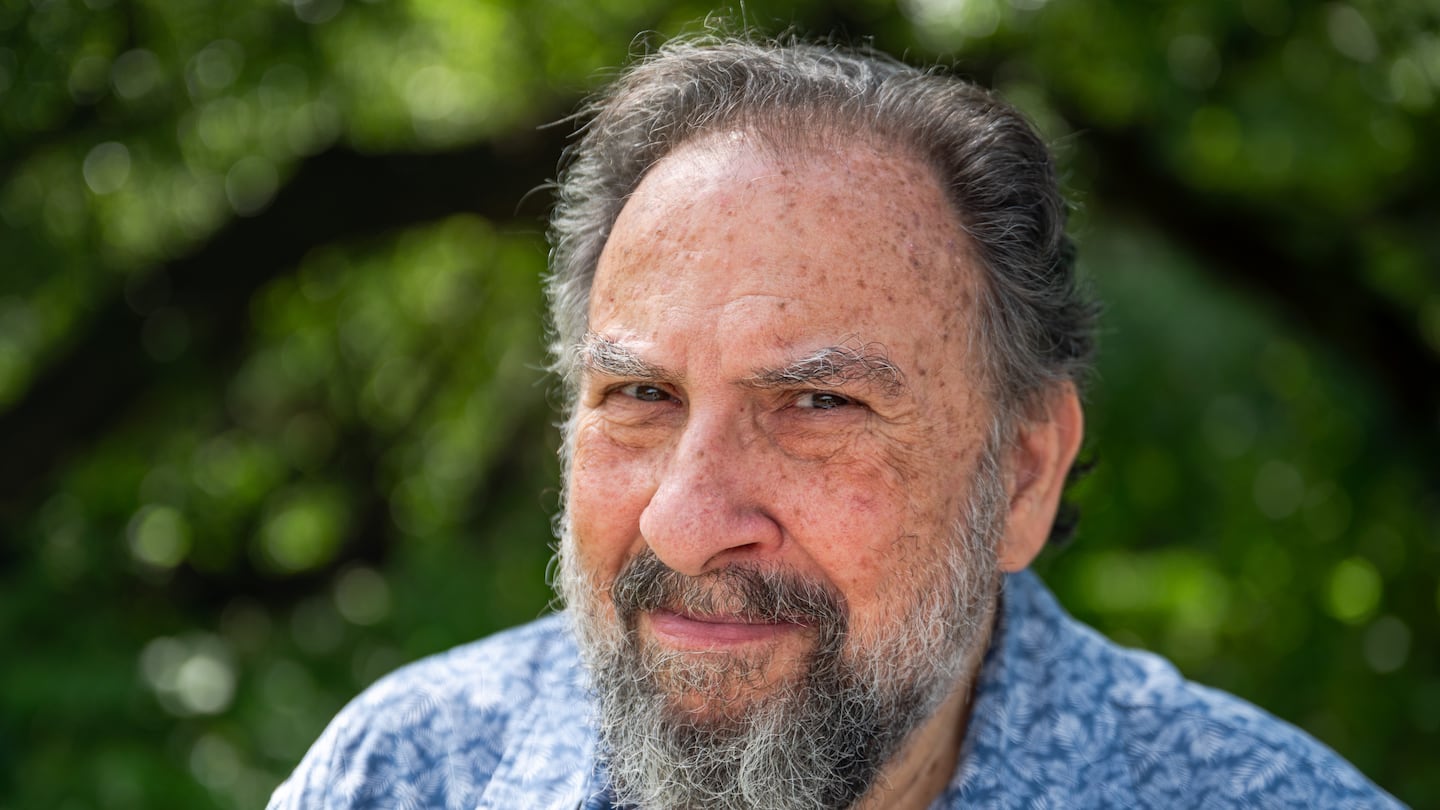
430 734
1189 744
1061 700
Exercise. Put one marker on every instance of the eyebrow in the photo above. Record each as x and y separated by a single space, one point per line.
835 366
601 355
838 365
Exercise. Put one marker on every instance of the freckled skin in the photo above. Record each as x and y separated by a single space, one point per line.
726 260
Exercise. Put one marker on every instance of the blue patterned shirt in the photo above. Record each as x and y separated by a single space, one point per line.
1061 718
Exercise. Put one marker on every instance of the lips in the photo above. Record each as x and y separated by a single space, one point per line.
712 631
723 609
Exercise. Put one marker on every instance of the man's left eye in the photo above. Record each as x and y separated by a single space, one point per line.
645 393
822 401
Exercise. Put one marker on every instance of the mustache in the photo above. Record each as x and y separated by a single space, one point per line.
746 593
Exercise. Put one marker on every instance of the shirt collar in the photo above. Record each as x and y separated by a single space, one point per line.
1028 674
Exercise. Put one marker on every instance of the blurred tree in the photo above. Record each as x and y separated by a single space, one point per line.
270 386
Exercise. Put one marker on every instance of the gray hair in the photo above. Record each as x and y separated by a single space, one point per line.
1036 323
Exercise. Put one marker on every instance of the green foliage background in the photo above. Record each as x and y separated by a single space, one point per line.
272 420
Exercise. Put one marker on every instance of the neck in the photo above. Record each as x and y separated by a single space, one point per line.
922 769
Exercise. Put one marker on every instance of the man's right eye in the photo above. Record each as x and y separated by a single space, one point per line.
645 393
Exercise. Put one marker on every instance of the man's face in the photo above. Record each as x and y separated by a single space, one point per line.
782 380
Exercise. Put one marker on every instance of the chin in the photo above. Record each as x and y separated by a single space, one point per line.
721 687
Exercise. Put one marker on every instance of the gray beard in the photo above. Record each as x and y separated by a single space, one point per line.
821 738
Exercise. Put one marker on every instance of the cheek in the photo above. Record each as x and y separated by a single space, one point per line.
608 489
874 528
850 521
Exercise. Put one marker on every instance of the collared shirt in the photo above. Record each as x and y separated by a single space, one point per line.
1061 718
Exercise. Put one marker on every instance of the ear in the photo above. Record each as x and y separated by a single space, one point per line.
1037 464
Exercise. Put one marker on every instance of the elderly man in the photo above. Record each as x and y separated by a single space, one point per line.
816 316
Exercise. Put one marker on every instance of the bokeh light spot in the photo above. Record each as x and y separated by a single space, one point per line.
88 79
1350 33
218 64
107 167
942 20
136 73
224 125
250 184
215 763
1194 62
1409 85
433 92
303 528
205 683
362 596
1387 644
1278 489
63 523
316 12
191 675
1354 591
1215 139
159 536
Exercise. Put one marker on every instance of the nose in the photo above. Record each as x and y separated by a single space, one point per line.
709 506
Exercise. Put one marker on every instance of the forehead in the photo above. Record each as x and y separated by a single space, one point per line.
835 180
842 240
